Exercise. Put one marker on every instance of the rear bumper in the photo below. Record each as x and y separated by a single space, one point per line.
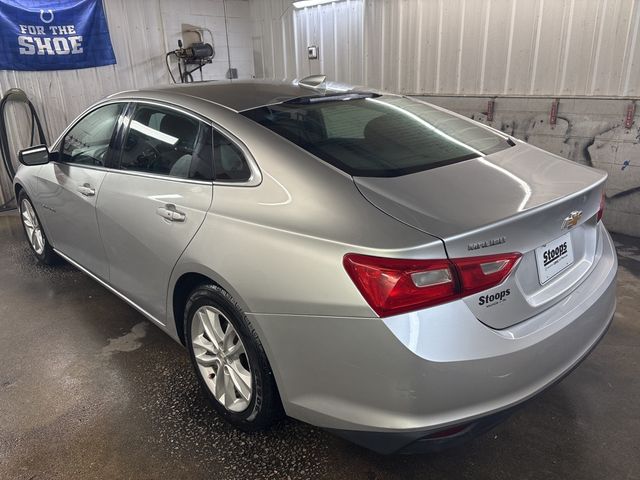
389 383
435 440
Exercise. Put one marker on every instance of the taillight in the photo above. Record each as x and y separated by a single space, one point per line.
394 286
601 209
481 273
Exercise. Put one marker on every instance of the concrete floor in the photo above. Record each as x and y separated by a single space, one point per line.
89 389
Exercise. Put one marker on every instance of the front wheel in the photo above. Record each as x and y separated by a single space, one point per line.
229 360
35 233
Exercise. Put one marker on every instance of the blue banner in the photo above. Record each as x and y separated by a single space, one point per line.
53 35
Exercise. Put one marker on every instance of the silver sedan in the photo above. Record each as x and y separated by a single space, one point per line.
364 262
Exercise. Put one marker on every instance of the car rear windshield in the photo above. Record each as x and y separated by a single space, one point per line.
378 136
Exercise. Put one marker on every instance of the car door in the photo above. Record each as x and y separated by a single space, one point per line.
153 203
69 187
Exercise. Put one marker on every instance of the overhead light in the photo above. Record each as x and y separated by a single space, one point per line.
310 3
152 132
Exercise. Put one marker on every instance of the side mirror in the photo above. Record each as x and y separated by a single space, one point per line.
38 155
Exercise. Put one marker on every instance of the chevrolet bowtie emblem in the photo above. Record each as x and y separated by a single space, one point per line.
572 220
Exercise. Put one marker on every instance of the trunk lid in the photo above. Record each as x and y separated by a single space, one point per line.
515 200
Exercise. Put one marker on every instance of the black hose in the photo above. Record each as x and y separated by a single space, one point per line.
180 72
166 60
16 95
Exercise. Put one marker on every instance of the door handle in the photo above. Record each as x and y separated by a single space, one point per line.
87 190
169 212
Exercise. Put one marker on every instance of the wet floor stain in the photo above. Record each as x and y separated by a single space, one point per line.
128 342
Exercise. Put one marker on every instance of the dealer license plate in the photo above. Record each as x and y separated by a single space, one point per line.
554 257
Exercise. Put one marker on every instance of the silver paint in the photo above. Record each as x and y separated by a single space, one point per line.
277 245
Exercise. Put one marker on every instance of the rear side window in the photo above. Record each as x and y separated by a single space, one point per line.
378 136
230 164
165 142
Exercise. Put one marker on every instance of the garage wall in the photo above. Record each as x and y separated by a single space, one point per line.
522 47
142 31
501 47
281 35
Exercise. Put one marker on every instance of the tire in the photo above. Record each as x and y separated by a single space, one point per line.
34 231
226 371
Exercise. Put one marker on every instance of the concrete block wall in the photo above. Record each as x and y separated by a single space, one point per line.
590 131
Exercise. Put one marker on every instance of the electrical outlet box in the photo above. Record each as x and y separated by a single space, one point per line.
312 52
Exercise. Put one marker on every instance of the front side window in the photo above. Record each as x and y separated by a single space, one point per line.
87 143
377 136
164 142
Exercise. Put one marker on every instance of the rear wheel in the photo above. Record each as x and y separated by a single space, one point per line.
229 360
35 233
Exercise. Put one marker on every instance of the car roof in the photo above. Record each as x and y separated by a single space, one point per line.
235 95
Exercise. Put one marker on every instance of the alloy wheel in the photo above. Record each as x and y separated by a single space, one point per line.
221 358
32 226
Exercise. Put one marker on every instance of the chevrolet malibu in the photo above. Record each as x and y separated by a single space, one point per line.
368 263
